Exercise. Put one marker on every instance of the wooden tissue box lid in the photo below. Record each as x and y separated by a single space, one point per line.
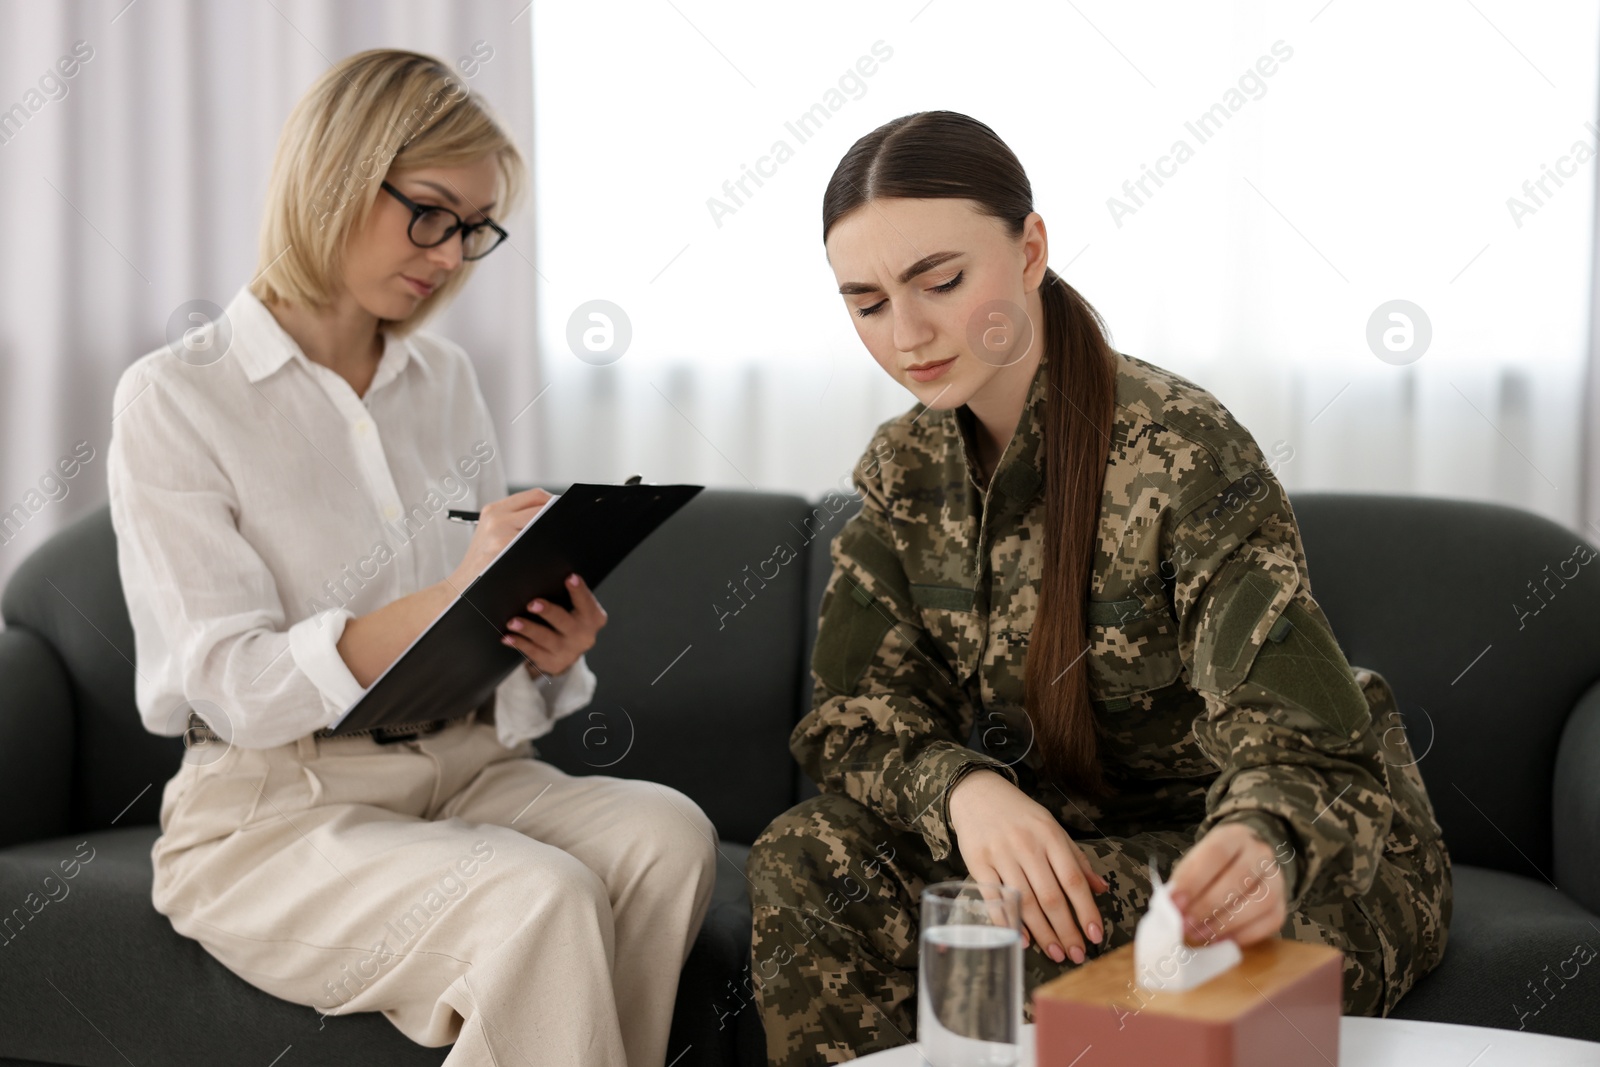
1280 1004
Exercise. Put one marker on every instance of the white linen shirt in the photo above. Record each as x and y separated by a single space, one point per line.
259 504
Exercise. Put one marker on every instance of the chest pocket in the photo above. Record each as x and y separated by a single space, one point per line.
1132 649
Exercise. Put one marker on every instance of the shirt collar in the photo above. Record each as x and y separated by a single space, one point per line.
261 344
1021 468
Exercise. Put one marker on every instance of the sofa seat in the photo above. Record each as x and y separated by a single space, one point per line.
98 977
1521 955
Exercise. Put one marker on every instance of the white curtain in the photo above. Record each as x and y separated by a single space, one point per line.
1378 161
1589 507
1358 153
137 184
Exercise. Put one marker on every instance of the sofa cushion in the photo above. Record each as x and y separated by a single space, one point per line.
69 592
101 975
36 787
103 979
1521 955
716 1012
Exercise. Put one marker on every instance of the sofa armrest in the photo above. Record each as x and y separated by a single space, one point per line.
1575 804
36 732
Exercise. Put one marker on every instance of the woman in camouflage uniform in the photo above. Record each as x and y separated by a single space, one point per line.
1007 691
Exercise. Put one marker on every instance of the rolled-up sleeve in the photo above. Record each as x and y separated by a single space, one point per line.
314 644
526 707
210 629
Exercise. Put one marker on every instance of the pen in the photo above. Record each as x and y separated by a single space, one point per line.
472 516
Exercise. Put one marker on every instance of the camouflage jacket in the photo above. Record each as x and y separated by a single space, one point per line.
1220 690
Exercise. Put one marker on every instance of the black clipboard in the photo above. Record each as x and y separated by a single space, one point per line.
458 661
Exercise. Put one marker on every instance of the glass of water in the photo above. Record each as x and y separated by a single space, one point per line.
969 975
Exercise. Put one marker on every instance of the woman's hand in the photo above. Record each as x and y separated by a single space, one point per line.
1230 877
552 649
1006 836
554 643
498 523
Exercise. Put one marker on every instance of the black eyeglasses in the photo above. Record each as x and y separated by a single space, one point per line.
432 226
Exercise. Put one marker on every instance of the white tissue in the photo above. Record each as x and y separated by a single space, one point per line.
1161 959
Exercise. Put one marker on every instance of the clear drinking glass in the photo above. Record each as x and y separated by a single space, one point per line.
969 975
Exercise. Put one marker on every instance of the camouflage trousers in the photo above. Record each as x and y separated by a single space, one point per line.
836 894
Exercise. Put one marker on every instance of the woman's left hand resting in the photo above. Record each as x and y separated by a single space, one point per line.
1229 887
552 648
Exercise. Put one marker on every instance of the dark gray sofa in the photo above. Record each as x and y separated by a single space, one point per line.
699 689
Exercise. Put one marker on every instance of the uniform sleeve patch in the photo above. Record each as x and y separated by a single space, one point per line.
1307 668
848 638
1243 604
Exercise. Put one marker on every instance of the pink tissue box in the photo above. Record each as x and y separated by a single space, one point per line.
1280 1004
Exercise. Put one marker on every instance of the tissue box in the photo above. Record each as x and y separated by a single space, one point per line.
1280 1004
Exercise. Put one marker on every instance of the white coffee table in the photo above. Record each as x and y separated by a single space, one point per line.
1367 1042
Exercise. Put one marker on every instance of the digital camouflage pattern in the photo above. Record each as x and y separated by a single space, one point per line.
1221 696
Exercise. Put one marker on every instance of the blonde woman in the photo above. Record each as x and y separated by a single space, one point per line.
277 482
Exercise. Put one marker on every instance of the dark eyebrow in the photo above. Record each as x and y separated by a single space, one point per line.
923 264
455 201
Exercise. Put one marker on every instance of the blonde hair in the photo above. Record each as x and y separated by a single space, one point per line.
374 110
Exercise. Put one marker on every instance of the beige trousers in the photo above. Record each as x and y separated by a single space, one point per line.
470 893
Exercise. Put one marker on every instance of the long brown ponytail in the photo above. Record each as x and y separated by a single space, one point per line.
944 154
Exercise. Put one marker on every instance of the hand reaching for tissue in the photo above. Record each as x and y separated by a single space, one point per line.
1229 886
